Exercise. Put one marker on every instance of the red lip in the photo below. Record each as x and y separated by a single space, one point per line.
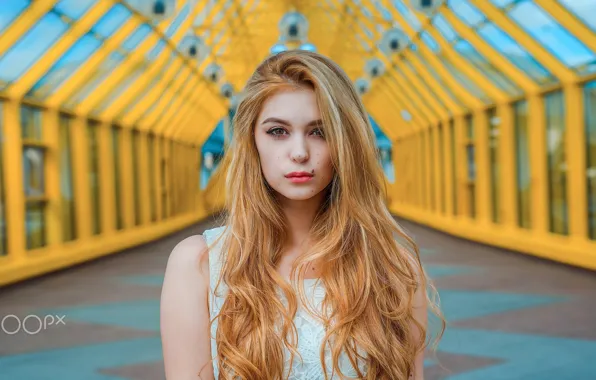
298 174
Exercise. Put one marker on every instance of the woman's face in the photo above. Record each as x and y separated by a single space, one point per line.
290 139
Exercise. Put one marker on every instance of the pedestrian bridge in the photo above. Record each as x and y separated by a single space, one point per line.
115 114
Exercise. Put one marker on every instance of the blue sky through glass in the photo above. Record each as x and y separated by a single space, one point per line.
173 27
583 9
550 34
31 46
68 64
73 8
10 11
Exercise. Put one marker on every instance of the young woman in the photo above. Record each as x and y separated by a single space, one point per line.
309 276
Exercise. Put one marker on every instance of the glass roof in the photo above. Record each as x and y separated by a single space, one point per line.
435 48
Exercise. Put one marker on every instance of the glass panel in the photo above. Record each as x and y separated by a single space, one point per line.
407 14
95 79
582 9
3 241
154 81
418 98
174 25
117 191
515 53
454 186
33 171
112 20
486 68
469 52
135 176
557 162
135 39
151 171
35 225
500 40
74 9
550 34
94 177
10 11
109 64
590 107
502 3
493 146
31 123
471 163
78 53
522 156
430 42
466 82
438 79
444 28
384 11
425 84
30 47
116 92
468 13
67 200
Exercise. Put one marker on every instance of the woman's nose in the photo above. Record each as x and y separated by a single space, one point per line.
300 151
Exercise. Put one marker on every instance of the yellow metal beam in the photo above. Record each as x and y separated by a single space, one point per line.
575 146
398 79
403 103
25 21
125 68
568 21
147 100
50 56
181 102
533 47
14 192
469 99
175 127
224 25
491 54
461 64
139 87
76 81
181 82
54 221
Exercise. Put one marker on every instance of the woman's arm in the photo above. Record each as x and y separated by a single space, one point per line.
184 312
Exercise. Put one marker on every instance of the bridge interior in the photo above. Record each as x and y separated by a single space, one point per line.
115 114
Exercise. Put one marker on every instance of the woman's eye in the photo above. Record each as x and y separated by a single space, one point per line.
273 130
319 131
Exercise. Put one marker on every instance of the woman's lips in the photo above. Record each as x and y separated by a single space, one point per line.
300 179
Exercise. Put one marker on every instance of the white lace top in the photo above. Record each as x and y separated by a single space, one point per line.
310 330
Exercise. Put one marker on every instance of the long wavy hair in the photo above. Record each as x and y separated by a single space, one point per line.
371 266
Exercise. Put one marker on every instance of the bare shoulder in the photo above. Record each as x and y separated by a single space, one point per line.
190 256
184 311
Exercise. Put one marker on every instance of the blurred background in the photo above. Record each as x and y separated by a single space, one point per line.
114 116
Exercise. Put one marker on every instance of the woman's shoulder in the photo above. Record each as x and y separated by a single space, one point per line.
190 257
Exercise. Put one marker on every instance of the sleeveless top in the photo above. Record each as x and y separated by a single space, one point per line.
310 330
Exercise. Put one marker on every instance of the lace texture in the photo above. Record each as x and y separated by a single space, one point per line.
310 331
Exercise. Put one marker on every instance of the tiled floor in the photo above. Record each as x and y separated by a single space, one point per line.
510 316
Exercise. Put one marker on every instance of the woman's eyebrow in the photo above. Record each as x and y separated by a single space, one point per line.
317 122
